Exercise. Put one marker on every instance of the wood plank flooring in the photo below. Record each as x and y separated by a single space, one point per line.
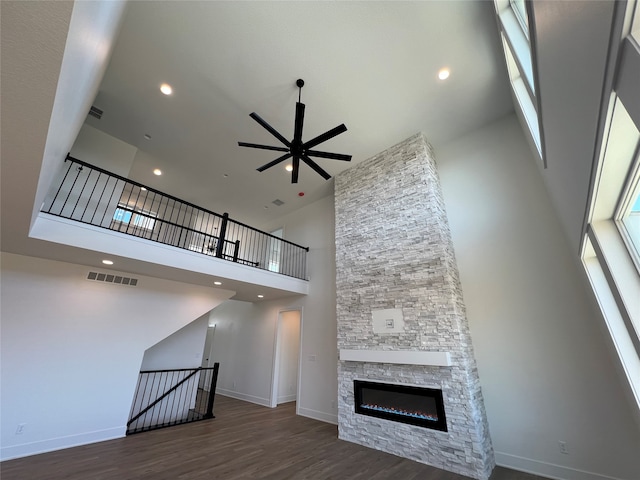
244 441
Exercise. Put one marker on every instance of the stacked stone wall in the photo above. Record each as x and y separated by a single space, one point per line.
394 251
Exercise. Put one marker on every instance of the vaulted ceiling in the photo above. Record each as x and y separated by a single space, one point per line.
370 65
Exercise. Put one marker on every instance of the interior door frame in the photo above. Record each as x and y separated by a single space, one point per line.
275 371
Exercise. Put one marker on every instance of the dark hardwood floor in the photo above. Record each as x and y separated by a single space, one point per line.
244 441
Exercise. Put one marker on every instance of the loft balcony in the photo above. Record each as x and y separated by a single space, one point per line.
99 200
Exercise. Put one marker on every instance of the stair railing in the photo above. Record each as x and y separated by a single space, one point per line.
172 397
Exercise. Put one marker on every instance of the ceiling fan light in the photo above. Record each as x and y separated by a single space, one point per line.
289 168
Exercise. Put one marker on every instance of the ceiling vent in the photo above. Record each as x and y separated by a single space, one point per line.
277 202
96 112
109 278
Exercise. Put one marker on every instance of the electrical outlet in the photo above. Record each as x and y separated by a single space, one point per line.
563 447
312 358
333 405
20 428
234 384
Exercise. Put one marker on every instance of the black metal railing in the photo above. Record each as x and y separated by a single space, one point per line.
172 397
89 194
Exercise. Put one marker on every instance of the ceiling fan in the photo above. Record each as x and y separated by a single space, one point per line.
296 148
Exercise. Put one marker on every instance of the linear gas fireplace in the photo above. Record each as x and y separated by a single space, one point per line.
419 406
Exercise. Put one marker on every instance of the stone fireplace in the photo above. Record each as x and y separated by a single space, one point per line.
401 316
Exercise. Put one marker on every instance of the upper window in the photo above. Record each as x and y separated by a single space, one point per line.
523 95
141 219
514 29
629 214
520 9
635 27
611 250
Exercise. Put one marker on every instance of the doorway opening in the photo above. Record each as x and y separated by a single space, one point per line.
207 355
285 386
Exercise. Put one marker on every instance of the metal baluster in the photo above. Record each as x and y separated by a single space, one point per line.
115 184
212 391
64 179
89 199
78 170
144 397
80 195
99 202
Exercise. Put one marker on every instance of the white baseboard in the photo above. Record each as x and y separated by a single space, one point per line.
316 415
287 399
265 402
59 443
550 470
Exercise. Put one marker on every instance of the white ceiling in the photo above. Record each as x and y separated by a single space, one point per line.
370 65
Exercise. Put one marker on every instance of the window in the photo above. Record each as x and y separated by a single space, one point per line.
523 95
122 215
141 218
520 10
629 214
514 21
611 248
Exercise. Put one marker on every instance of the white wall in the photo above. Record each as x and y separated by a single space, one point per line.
545 370
244 347
288 357
314 226
181 349
71 349
104 151
245 333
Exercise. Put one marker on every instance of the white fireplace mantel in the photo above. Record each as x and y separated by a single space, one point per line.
405 357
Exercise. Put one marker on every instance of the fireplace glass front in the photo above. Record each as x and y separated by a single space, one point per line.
419 406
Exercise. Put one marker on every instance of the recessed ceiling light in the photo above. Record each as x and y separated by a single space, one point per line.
147 136
260 296
289 168
166 89
444 73
107 262
157 171
226 175
217 283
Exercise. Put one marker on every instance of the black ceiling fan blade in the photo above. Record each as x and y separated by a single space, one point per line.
296 169
263 147
297 133
325 136
270 129
316 167
275 162
333 156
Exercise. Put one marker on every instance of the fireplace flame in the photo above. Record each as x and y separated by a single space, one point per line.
406 413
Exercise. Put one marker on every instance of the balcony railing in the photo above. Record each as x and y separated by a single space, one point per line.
89 194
